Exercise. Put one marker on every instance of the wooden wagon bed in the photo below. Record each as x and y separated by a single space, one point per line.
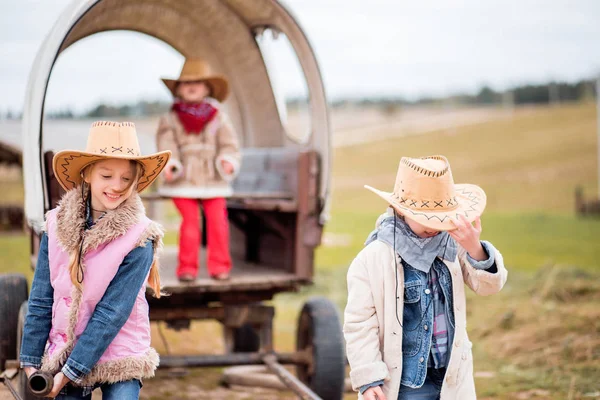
245 276
274 229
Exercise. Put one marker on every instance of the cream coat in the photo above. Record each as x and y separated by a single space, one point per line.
374 336
198 157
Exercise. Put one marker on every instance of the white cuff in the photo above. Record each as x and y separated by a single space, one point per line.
233 161
486 264
369 373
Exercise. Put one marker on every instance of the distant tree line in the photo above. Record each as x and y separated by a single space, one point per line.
553 92
9 114
538 94
141 108
549 93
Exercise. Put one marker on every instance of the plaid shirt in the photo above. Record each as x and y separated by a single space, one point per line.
442 317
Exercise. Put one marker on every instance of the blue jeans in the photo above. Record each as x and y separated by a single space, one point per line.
430 390
127 390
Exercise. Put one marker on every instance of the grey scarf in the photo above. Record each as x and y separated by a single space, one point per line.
417 252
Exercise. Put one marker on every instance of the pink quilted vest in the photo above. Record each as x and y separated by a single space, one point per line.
129 355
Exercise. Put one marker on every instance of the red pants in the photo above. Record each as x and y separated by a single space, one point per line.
217 227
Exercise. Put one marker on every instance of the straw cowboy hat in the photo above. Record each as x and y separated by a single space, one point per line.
108 140
198 70
425 192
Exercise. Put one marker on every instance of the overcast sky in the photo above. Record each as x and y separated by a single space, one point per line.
365 48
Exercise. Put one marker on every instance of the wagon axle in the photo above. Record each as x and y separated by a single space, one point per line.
319 357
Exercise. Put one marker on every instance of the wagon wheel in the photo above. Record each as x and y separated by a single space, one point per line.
13 292
23 386
320 338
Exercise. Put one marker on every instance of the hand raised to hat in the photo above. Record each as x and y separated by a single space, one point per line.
467 236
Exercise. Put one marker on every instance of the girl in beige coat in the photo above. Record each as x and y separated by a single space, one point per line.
405 321
206 158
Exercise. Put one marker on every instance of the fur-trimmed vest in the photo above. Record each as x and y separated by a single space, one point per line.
105 245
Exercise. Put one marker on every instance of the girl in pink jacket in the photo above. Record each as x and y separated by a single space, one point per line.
88 322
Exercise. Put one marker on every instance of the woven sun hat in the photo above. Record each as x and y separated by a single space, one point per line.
195 70
108 140
426 193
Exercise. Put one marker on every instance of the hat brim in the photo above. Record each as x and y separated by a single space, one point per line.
471 201
218 84
67 166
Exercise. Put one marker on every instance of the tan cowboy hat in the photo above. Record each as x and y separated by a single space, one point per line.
108 140
425 192
198 70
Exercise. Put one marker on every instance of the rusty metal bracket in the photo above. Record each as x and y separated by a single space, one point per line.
225 360
303 391
5 378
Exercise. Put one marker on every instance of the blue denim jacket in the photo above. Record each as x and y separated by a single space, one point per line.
416 339
418 320
110 314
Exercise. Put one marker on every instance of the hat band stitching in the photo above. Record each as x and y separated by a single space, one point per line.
429 217
424 171
161 161
113 124
67 163
451 202
119 149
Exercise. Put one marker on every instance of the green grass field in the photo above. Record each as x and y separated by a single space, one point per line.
526 343
530 163
540 337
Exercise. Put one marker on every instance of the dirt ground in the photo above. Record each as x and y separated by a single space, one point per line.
194 384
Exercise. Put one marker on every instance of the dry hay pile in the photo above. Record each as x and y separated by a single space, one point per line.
558 325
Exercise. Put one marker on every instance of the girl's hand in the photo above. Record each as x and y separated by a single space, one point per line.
29 371
374 393
227 167
60 380
168 174
171 172
467 236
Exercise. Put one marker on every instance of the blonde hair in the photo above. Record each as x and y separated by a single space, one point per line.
75 264
154 277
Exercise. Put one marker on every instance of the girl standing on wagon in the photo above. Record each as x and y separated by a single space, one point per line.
405 321
206 158
88 322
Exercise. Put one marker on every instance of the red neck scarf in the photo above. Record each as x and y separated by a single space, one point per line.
194 116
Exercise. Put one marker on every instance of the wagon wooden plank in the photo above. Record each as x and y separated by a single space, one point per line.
280 201
235 195
244 277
